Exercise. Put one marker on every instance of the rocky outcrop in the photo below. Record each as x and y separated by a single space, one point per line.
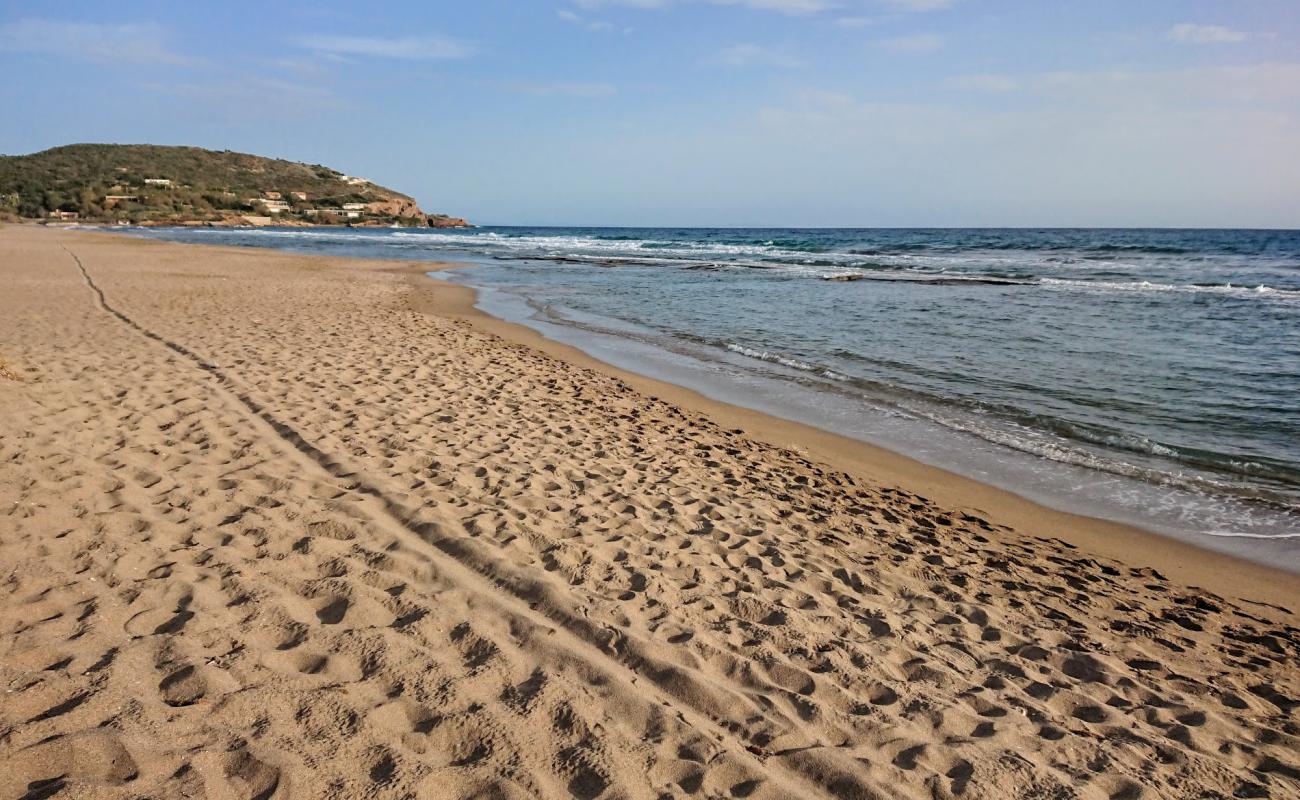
404 208
400 207
444 221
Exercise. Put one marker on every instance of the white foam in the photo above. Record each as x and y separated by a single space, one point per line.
785 361
1184 288
1244 535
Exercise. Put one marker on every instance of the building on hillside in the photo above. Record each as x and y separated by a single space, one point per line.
354 206
158 181
272 196
111 200
298 195
352 214
64 215
274 206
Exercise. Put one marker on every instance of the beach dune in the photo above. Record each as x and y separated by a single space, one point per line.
277 526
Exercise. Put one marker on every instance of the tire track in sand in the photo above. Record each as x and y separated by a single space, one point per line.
513 593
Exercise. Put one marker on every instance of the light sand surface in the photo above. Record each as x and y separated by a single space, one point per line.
276 526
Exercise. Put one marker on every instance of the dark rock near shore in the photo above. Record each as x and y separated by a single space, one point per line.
443 221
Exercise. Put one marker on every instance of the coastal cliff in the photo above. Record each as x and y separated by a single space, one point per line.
163 185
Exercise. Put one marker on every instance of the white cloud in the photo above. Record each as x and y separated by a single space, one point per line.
915 43
1258 84
564 89
583 22
124 42
628 3
308 68
402 47
1190 33
920 5
747 55
783 6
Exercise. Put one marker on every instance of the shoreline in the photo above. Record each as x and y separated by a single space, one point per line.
1183 561
278 525
1142 491
1180 560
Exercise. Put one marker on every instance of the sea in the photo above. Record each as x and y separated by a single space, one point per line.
1150 377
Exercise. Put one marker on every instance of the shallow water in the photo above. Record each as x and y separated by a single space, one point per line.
1145 376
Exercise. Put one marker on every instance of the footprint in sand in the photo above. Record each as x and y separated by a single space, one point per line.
184 686
93 758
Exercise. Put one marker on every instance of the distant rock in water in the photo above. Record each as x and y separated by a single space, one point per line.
843 278
153 185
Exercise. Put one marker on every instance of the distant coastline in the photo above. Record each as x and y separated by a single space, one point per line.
245 221
156 185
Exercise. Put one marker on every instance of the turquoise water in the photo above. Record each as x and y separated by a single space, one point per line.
1146 376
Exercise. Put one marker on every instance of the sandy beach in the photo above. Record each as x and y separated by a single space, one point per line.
278 526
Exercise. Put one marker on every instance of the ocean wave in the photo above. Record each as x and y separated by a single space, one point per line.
1046 445
978 262
1055 439
1245 535
1226 289
785 361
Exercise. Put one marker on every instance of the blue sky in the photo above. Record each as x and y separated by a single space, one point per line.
704 112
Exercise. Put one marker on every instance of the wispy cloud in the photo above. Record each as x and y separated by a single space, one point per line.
914 43
428 47
122 42
306 68
1217 87
920 5
1191 33
783 6
628 3
583 22
747 55
1258 84
854 22
562 88
1216 147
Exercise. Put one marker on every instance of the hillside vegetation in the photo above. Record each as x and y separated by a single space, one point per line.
160 185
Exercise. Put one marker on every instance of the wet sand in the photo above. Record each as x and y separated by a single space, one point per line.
288 526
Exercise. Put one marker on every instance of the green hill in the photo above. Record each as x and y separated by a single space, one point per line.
159 185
